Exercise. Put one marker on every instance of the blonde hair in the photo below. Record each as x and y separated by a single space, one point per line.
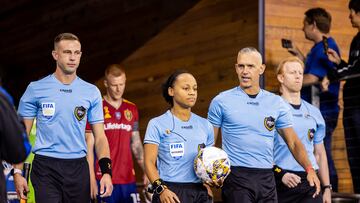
115 70
280 68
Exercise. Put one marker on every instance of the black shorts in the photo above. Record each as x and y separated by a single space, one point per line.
187 192
302 193
60 180
249 185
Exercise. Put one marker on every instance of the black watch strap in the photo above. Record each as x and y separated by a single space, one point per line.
327 187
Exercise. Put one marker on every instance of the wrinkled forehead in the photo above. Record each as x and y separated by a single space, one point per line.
293 66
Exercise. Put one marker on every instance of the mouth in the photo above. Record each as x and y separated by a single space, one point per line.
245 79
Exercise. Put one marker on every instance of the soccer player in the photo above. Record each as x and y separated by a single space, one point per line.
309 125
248 117
122 132
172 141
61 104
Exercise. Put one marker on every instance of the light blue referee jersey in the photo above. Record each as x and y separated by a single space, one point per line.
178 143
310 128
248 125
61 112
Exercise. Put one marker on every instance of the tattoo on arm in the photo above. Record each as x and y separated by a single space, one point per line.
137 148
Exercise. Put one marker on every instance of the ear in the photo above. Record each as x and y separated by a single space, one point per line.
55 55
171 91
280 78
262 68
105 83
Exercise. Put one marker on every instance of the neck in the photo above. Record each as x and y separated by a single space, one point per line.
252 90
292 97
319 38
181 113
64 78
115 103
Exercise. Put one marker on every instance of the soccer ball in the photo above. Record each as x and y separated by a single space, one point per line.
211 164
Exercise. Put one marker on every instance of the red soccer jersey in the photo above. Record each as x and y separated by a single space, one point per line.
119 125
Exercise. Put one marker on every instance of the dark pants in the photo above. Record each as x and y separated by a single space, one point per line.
187 192
249 185
331 122
60 180
302 193
352 137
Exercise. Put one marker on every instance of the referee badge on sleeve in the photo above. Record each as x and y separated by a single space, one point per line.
269 123
79 112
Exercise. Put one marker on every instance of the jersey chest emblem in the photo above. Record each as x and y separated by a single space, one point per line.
79 112
311 133
177 150
106 112
48 109
269 123
118 115
128 115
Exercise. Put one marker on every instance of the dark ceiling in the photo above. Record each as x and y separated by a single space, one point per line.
109 31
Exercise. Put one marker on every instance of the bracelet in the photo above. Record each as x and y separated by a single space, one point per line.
105 166
278 172
309 168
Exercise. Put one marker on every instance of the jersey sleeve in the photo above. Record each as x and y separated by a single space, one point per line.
95 112
321 128
210 140
215 113
284 119
28 106
152 135
136 119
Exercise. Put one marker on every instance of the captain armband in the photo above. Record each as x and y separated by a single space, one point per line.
105 166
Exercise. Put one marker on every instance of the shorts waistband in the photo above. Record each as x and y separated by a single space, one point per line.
184 185
48 158
250 170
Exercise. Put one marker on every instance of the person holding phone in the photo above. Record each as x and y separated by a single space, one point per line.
317 23
351 96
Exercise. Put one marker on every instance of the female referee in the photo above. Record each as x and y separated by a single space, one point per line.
172 141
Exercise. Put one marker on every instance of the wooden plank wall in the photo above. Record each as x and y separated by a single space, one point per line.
205 41
283 19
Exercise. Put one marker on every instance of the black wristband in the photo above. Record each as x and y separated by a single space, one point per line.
278 172
105 166
157 183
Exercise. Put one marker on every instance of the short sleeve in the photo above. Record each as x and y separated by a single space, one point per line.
210 139
321 128
152 135
284 119
215 113
28 106
95 112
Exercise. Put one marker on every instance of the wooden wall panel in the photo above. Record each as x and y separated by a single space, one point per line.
283 19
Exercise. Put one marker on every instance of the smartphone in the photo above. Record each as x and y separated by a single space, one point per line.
326 44
286 43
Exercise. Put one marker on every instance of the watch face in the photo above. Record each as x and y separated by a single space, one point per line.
159 189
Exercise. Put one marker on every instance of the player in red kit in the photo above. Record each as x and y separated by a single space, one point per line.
121 123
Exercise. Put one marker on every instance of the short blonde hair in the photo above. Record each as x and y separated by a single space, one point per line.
115 70
280 68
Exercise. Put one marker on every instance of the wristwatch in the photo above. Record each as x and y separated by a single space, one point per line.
159 189
15 170
327 186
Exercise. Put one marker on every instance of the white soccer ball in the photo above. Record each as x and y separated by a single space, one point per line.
211 164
